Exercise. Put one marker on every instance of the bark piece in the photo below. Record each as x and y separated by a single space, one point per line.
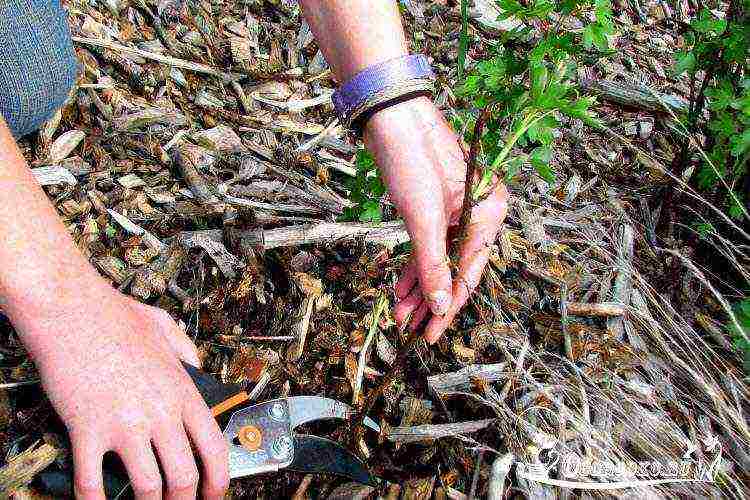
64 145
227 263
192 177
53 176
599 310
133 228
635 96
386 233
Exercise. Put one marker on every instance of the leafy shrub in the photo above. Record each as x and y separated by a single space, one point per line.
716 61
528 84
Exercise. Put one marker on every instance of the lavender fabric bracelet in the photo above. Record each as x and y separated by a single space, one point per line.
381 84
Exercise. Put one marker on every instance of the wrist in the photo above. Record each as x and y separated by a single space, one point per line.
41 312
413 114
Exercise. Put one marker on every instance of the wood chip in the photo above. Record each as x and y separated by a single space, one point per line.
445 384
53 176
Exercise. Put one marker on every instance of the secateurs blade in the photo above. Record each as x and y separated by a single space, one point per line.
261 437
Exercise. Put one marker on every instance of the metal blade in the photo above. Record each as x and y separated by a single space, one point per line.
303 409
317 455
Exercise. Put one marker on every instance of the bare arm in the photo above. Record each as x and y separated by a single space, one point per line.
38 255
350 37
110 365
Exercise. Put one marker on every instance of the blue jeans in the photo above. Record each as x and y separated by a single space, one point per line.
37 63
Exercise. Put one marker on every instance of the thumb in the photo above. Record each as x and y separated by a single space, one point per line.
431 258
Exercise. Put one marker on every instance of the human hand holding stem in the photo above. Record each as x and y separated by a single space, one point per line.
422 165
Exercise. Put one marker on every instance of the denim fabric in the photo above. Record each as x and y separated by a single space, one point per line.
37 63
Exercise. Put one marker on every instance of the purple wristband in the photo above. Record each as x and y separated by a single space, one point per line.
377 79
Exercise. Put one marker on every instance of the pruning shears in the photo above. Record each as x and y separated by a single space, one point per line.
261 436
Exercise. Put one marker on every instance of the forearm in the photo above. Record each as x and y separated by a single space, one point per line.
355 34
42 271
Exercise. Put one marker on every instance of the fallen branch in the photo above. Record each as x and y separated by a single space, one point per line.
623 287
435 431
635 96
386 233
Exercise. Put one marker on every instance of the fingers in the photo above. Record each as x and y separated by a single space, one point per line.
176 457
407 281
404 309
475 250
427 224
213 450
177 339
419 315
432 267
140 462
87 468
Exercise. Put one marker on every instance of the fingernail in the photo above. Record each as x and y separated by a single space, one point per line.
440 302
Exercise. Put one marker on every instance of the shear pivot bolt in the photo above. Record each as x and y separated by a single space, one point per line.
250 437
282 447
276 411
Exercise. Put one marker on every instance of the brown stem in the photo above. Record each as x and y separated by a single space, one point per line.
416 335
471 169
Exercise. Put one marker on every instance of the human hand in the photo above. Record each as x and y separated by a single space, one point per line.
423 167
111 368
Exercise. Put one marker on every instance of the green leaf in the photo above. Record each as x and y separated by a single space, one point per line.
546 173
735 210
599 37
540 158
685 62
740 143
721 96
377 187
588 36
365 160
723 125
708 24
538 79
513 167
371 212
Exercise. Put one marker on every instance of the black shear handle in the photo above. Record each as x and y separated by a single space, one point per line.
219 397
